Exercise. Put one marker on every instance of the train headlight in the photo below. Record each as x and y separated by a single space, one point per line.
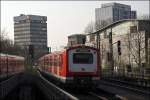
95 78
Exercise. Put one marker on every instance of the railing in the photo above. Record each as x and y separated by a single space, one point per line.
134 77
51 91
8 85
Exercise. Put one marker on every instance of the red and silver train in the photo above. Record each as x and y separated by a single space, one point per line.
10 65
78 65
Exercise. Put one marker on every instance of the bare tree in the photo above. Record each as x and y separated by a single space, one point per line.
144 17
102 23
90 28
7 46
95 26
3 40
3 34
136 46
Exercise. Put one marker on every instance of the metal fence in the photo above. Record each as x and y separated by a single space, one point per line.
135 76
52 91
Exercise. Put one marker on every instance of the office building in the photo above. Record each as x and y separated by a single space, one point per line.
112 12
31 30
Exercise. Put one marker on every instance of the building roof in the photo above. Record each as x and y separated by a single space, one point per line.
31 17
115 4
116 23
76 35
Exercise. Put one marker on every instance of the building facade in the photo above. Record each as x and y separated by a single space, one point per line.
112 12
76 39
134 37
31 30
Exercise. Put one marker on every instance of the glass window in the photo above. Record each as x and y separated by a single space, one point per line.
82 58
133 29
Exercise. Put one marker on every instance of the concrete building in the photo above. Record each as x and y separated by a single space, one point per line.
112 12
131 34
76 39
31 30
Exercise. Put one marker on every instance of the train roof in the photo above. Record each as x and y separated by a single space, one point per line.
13 56
80 46
73 47
67 48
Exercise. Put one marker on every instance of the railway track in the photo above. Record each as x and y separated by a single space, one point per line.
126 85
91 95
125 91
104 95
107 91
96 94
133 84
35 87
52 91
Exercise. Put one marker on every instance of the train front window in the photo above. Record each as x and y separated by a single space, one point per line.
82 58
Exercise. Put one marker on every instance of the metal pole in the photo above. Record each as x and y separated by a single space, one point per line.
44 63
0 66
7 63
111 52
97 40
98 47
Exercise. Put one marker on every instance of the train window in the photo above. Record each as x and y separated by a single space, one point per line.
50 63
55 63
61 60
83 58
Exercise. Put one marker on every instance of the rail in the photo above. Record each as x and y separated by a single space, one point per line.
124 86
52 91
135 77
8 85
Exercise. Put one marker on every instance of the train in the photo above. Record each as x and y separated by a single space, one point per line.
76 66
10 65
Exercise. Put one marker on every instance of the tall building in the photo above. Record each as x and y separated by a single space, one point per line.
112 12
31 30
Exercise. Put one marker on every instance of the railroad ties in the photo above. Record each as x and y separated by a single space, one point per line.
34 86
125 91
8 85
85 94
52 91
29 86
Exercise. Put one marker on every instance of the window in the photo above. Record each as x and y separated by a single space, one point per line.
133 29
82 58
92 38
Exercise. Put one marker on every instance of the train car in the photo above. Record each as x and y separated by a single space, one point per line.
10 65
74 66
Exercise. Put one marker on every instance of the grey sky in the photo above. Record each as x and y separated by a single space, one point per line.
64 17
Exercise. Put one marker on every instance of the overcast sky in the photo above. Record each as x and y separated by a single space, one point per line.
63 17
